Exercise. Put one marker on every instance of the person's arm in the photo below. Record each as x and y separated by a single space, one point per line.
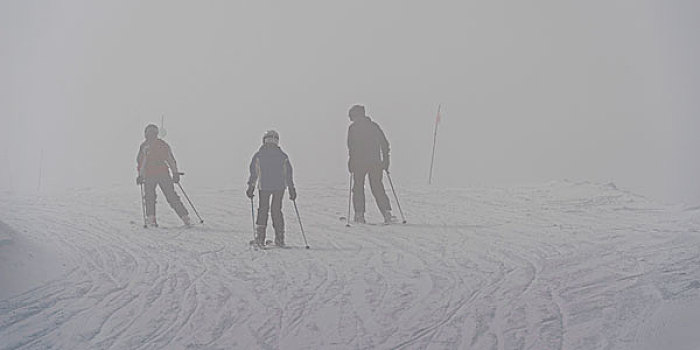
172 164
254 173
170 160
139 160
384 146
289 172
350 148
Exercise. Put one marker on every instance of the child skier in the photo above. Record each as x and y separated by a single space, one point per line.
271 169
152 163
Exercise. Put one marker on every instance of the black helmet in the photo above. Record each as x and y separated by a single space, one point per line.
151 131
356 111
271 136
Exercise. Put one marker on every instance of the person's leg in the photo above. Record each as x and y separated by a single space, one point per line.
168 188
377 186
263 210
278 217
358 195
149 189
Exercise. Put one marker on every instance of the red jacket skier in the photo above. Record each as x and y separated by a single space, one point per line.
155 163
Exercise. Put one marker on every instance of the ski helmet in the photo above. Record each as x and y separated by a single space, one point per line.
271 136
356 111
151 131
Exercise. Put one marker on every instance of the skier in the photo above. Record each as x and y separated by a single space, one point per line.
271 169
369 156
153 161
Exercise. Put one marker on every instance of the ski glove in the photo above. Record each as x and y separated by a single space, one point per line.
292 193
139 180
176 177
249 191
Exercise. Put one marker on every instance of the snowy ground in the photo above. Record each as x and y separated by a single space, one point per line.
555 266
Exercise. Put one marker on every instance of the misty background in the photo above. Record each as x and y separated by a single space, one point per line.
530 92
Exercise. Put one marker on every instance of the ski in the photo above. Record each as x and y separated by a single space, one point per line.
256 246
146 226
161 227
269 244
393 221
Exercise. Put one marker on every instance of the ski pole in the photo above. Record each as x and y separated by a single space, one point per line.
347 224
189 201
143 206
252 215
300 225
395 196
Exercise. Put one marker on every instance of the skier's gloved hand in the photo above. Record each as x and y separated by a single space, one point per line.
176 177
249 191
293 193
139 180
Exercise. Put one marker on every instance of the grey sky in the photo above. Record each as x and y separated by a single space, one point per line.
548 90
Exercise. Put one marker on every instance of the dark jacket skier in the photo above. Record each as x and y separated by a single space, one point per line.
155 163
368 151
271 169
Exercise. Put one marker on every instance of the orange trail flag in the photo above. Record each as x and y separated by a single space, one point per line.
432 157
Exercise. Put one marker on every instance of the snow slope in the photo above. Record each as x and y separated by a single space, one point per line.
24 265
556 266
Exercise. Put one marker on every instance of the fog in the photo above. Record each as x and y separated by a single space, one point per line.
530 92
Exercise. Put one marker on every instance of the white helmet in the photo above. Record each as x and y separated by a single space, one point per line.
271 136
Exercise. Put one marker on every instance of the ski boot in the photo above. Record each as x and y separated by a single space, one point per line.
186 221
360 218
260 235
151 221
279 239
388 218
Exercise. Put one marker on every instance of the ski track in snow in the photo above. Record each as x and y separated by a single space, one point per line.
555 266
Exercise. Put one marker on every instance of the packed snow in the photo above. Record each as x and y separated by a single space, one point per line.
560 265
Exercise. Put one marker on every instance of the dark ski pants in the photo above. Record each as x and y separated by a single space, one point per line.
376 175
168 188
276 210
